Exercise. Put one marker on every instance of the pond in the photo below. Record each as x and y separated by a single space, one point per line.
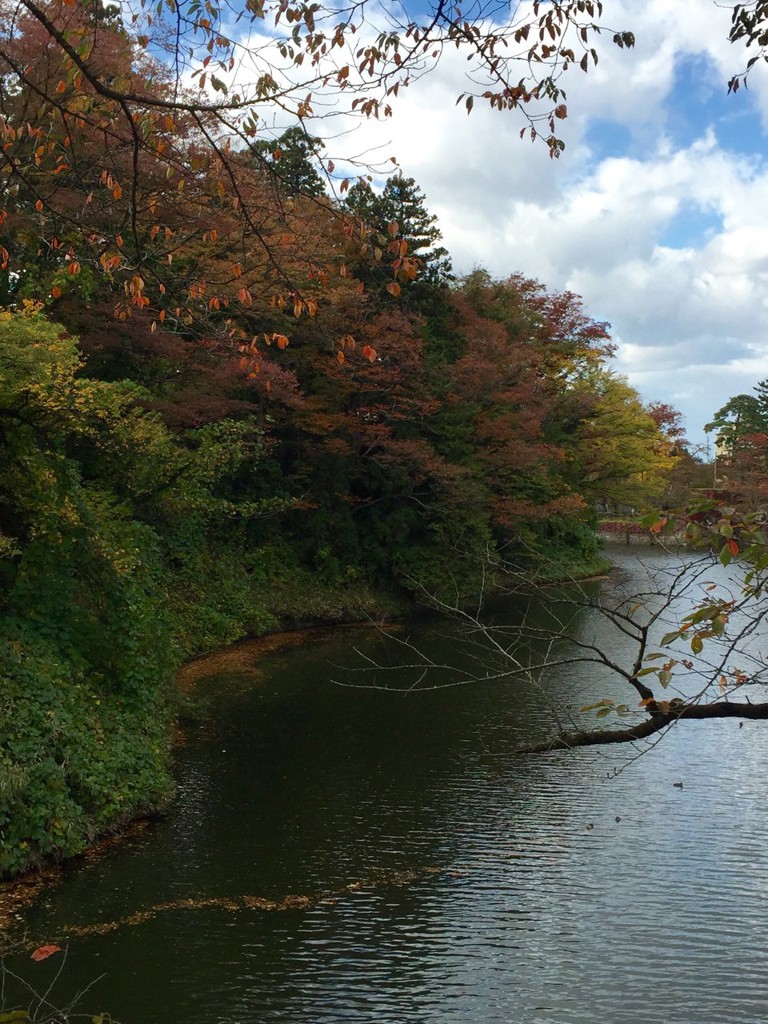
345 854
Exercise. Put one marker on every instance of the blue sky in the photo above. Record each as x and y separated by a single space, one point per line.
657 212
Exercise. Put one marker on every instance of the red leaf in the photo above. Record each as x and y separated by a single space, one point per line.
43 952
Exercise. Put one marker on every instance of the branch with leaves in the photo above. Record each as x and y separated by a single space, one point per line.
690 642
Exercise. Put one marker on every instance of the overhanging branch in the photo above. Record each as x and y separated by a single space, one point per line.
655 723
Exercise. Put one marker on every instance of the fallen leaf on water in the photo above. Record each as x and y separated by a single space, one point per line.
43 952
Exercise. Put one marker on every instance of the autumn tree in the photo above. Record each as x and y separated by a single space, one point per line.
95 111
621 456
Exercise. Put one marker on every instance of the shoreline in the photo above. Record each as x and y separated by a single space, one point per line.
23 889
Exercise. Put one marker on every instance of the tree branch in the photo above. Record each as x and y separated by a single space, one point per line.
655 723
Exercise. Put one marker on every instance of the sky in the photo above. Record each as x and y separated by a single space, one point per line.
656 213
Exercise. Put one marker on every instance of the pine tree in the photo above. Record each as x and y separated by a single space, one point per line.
289 159
403 201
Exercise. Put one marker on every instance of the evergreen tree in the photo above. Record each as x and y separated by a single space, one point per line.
290 160
403 202
741 416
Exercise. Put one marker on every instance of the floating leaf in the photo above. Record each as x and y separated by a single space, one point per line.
43 952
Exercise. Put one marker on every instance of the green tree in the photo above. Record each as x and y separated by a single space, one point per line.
739 417
120 551
291 161
402 202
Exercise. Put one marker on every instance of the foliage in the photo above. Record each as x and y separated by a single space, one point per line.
135 140
282 408
289 160
741 446
106 519
403 203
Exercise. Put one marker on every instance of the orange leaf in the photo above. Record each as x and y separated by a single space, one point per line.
56 292
43 952
340 357
733 547
393 288
370 353
39 205
117 192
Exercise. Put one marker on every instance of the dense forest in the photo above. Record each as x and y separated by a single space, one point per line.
216 426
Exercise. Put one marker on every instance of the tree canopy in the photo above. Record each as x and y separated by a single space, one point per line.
123 130
238 385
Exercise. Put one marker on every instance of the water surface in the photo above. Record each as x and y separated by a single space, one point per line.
341 854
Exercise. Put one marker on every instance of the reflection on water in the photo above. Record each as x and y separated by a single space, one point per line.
350 855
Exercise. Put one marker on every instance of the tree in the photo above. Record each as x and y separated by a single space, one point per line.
111 555
739 417
688 638
742 447
167 117
291 161
403 203
620 455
